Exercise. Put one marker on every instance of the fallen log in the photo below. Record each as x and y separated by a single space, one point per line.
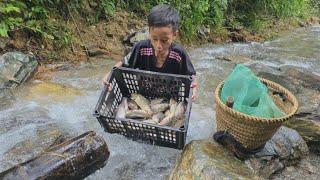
75 158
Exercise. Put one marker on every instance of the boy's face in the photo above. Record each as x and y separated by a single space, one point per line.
161 39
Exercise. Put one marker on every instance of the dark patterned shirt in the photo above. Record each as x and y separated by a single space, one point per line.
142 57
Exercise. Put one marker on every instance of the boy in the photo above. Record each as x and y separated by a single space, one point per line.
160 53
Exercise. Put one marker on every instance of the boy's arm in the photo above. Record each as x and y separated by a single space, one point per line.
189 70
128 61
105 78
194 85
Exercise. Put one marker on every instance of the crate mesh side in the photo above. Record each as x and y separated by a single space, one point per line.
150 86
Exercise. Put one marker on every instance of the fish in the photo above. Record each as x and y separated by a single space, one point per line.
179 123
137 114
158 117
142 102
167 112
178 114
132 105
173 106
167 119
122 109
156 101
150 121
156 108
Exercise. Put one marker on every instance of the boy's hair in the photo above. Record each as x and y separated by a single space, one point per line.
164 15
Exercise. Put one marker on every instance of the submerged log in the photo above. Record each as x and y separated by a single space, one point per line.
75 158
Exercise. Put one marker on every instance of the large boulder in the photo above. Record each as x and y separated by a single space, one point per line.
15 68
285 148
309 130
206 159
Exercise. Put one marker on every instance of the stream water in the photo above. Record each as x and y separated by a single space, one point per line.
67 101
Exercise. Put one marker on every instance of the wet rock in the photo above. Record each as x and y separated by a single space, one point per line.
285 148
15 68
309 130
75 158
44 137
6 98
56 92
135 37
205 159
237 59
302 24
308 168
301 77
204 32
18 117
202 159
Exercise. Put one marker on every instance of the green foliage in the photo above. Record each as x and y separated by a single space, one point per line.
253 13
37 15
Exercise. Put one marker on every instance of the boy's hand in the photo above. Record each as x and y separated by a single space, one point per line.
106 83
194 96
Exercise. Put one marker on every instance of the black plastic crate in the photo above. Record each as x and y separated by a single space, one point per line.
151 85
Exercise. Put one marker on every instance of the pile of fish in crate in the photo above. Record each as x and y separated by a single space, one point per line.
156 111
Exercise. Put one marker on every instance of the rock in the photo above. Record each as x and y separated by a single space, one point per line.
46 136
205 159
302 24
55 92
92 50
238 59
135 37
75 158
6 98
308 168
285 148
309 130
30 130
204 31
15 68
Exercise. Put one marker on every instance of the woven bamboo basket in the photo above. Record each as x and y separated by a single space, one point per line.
253 132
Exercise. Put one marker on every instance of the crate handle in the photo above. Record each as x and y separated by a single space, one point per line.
104 91
96 113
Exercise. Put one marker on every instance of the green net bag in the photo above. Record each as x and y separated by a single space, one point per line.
249 94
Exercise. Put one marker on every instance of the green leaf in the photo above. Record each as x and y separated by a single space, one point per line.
3 30
8 8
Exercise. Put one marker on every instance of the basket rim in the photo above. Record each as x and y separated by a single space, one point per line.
255 118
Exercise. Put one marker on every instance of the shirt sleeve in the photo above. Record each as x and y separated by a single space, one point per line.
130 60
187 67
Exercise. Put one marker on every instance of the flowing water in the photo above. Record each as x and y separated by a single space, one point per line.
65 104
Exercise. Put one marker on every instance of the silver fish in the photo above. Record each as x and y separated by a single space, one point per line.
132 105
167 119
156 101
156 108
173 106
158 117
167 112
178 114
137 114
179 123
150 121
142 102
122 108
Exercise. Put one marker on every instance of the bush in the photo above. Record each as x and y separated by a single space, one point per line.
34 14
